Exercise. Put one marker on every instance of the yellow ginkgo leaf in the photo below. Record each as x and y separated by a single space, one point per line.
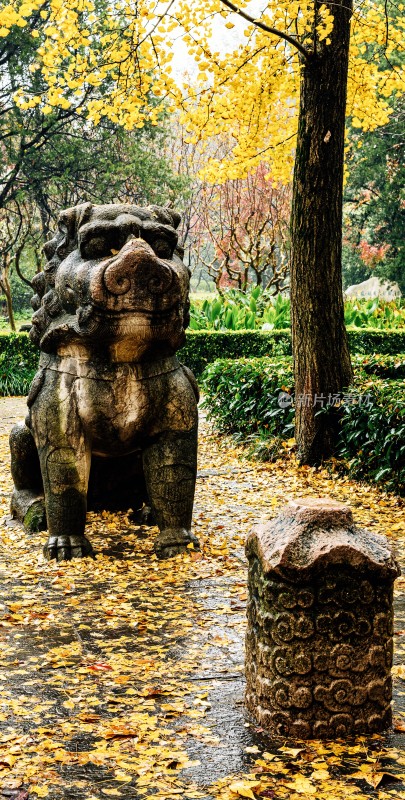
123 777
302 785
244 788
292 751
40 791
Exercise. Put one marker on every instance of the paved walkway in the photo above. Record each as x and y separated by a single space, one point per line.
123 677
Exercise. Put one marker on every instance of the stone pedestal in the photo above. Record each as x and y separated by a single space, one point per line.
319 638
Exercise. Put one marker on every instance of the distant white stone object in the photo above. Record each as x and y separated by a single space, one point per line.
373 287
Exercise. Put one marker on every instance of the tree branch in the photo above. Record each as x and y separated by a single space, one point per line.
290 39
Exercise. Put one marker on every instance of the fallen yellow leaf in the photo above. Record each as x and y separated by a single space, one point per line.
302 785
244 788
292 751
123 777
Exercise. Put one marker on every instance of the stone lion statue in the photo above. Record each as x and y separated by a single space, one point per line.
112 420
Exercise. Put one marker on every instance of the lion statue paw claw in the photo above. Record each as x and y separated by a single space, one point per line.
171 542
64 548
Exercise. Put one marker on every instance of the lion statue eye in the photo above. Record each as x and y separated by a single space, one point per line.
100 241
162 249
94 247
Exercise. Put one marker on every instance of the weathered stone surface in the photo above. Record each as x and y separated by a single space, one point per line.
112 417
319 638
300 539
30 509
374 287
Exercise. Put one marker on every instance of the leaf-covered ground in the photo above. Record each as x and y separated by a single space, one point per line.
123 676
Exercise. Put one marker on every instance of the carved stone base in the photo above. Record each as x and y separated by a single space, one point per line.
319 638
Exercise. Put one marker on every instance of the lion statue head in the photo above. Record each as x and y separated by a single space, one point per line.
113 272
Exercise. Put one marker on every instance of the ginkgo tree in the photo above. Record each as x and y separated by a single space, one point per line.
279 91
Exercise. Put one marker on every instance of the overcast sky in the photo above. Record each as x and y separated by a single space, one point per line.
223 40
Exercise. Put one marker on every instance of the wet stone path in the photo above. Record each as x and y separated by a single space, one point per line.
123 676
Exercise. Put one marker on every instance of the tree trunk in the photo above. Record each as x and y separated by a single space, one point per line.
45 215
322 365
9 302
5 285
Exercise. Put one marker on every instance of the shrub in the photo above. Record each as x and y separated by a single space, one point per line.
375 313
382 366
15 379
242 398
235 310
372 434
18 363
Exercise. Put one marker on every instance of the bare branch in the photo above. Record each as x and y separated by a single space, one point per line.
290 39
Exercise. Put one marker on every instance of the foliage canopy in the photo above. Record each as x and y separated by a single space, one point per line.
374 229
124 51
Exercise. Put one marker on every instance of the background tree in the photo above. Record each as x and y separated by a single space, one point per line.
233 233
100 165
20 237
294 59
374 225
187 161
54 157
25 128
103 164
243 227
6 288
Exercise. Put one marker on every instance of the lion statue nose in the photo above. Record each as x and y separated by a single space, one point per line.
135 271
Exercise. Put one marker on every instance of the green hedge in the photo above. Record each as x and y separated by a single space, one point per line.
243 398
19 358
201 348
370 341
204 347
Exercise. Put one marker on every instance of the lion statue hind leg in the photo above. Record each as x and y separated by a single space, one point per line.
27 500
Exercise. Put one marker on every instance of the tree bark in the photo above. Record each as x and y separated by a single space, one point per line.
5 285
322 365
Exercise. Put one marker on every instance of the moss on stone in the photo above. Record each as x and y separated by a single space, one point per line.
35 518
